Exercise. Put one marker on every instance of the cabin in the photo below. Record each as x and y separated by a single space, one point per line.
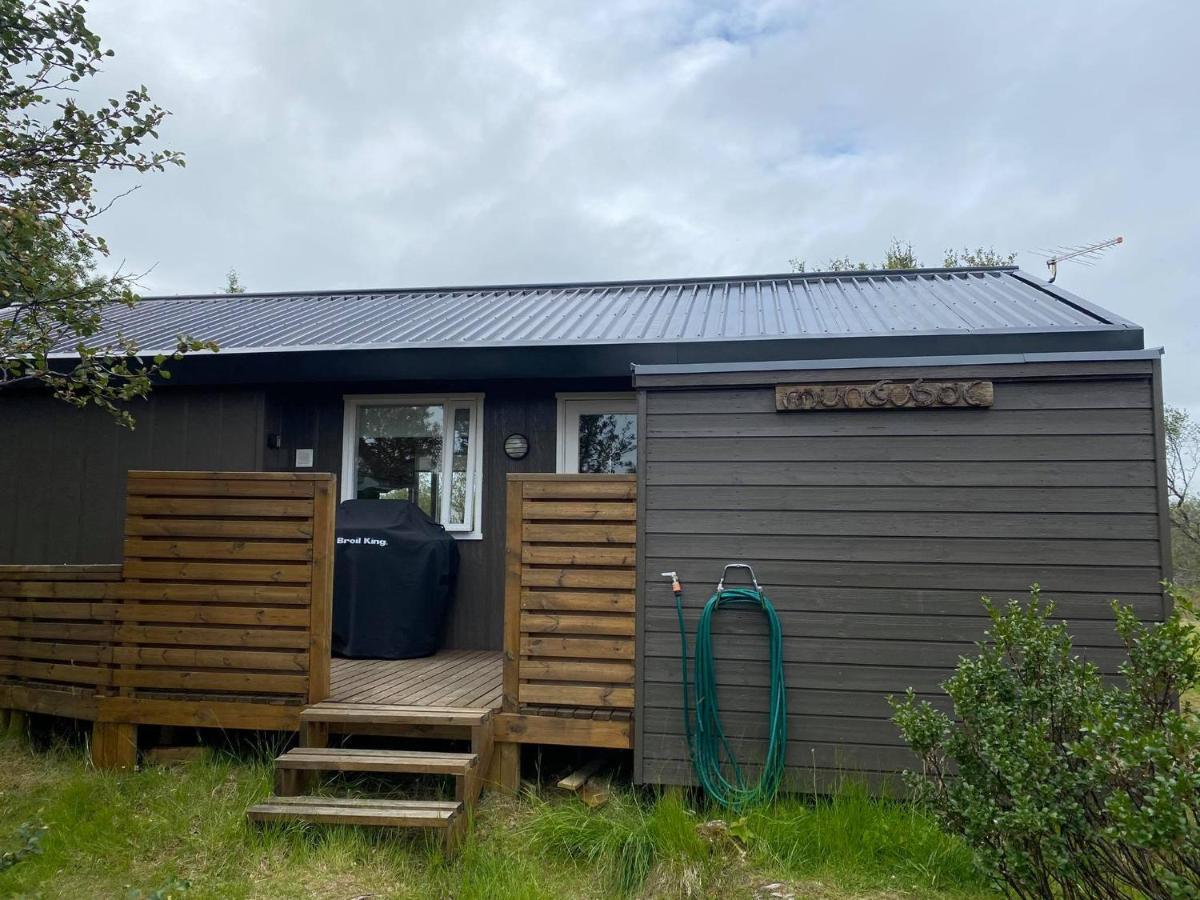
882 448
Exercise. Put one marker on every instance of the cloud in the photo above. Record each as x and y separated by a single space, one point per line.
378 144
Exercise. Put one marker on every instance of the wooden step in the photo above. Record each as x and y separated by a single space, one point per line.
328 759
357 811
380 714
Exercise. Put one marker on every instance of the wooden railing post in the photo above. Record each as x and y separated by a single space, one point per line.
321 604
507 759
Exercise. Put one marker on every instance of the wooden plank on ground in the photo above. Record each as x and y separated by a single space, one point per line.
579 777
596 790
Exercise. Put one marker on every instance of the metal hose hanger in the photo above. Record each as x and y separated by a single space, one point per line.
716 766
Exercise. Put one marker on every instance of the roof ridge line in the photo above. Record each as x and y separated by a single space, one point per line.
844 274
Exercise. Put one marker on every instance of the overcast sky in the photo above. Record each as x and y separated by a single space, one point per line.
396 144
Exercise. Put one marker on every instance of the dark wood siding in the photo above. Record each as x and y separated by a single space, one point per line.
875 533
62 470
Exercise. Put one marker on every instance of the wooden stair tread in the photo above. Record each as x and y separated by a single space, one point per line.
357 811
380 802
400 761
383 714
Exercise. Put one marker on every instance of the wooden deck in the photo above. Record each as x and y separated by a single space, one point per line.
450 678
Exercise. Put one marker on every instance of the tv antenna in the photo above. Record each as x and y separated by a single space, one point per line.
1086 255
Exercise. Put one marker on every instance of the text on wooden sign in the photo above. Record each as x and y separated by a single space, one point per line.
919 394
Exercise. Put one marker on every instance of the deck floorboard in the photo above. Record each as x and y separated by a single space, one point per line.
448 678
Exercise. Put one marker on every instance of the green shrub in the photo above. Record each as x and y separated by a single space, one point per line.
1063 784
30 844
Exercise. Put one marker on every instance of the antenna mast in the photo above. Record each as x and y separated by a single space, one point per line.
1080 253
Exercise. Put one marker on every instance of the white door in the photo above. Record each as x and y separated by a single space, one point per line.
597 433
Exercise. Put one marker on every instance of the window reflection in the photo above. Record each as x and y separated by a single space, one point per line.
608 443
400 455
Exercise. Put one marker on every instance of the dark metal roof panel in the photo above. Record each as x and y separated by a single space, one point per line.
793 306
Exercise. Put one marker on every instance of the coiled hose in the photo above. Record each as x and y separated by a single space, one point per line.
711 754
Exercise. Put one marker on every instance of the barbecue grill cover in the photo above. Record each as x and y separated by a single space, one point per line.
393 580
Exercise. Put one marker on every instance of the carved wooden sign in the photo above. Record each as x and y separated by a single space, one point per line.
919 394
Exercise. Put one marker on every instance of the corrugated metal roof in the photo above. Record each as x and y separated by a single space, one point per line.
818 305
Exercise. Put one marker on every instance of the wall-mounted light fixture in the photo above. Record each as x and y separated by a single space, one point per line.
516 446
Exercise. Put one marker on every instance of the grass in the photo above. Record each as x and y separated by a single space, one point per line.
181 832
851 844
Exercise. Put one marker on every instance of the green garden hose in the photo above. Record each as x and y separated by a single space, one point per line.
711 753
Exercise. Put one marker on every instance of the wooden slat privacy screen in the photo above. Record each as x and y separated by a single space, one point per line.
56 625
223 601
570 592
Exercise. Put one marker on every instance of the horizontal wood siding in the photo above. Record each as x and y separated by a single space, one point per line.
570 589
201 609
875 534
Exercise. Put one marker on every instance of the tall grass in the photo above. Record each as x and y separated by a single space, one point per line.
872 841
852 838
624 840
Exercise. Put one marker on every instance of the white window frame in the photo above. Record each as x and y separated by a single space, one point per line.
470 530
570 405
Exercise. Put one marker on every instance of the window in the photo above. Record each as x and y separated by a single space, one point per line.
422 449
597 433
